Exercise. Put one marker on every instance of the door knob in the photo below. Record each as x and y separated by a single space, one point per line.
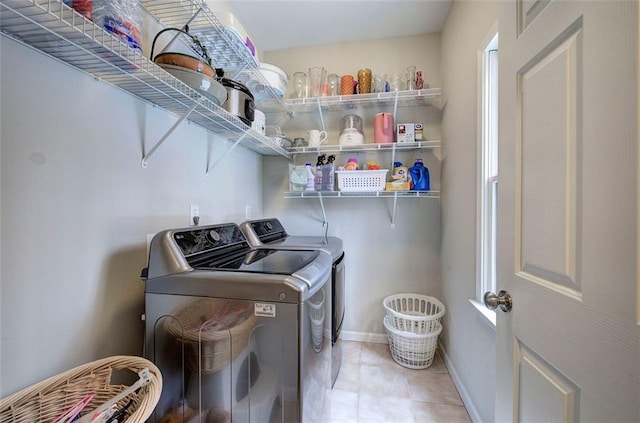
503 299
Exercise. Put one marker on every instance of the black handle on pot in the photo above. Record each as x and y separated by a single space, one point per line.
249 109
194 39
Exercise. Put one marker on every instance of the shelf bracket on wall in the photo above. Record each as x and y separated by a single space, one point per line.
226 153
393 156
145 158
321 115
393 213
324 215
395 106
236 76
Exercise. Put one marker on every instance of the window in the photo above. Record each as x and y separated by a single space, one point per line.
488 171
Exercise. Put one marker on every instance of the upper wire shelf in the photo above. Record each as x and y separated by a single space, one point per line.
53 28
227 52
426 97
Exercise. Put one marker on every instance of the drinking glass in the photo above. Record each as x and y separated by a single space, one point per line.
317 77
395 84
334 84
300 84
411 78
364 81
346 85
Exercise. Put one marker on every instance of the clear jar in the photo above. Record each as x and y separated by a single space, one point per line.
300 85
334 84
364 81
395 83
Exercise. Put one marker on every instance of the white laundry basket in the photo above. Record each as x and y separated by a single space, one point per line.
411 350
414 313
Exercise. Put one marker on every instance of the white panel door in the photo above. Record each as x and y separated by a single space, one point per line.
569 350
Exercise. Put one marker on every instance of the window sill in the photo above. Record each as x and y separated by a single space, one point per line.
488 316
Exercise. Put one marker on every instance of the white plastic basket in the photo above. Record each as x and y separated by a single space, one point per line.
414 313
362 180
409 349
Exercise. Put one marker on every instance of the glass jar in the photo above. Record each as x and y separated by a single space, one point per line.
300 85
334 84
364 81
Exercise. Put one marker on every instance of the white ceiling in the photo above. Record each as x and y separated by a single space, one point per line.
280 24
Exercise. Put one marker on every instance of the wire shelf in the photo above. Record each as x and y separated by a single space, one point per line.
227 52
407 98
397 146
57 30
361 194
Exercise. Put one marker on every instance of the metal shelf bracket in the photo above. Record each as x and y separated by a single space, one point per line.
324 215
393 213
395 105
226 153
321 115
145 158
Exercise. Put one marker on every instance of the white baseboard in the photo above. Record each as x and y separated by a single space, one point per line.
376 338
464 395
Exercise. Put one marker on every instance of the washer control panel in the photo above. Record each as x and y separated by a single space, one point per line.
208 238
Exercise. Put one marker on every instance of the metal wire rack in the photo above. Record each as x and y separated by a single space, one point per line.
57 30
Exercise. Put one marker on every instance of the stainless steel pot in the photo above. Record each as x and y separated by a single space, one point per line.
239 100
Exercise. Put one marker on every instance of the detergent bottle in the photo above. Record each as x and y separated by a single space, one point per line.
419 176
311 178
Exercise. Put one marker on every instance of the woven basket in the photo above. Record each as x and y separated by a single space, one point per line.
49 399
208 346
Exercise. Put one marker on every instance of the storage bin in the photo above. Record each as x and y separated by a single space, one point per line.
409 349
361 180
53 397
297 178
415 313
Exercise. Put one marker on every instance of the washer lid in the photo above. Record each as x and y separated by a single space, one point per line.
271 261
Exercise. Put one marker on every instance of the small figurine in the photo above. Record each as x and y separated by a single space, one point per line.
352 164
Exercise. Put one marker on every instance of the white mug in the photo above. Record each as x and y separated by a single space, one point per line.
316 138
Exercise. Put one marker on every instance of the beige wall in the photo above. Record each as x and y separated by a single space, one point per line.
390 56
380 260
77 207
468 339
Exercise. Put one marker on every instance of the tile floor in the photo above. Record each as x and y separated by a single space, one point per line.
372 388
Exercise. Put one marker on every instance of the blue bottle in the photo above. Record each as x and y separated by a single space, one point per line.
419 176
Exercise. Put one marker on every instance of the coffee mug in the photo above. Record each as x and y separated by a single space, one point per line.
317 138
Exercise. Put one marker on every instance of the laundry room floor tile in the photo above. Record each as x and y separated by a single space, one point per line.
372 388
